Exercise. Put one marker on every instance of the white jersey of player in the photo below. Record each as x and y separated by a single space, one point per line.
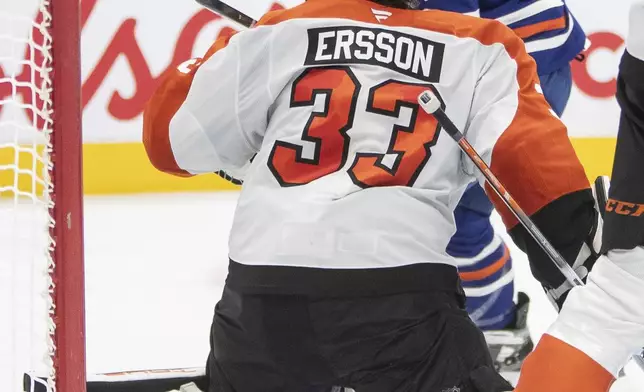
347 172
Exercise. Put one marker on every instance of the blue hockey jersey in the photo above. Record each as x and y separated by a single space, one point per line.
551 33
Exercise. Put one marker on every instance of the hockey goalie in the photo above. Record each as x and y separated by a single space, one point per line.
339 273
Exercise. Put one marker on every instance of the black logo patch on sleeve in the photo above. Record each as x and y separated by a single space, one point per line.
410 55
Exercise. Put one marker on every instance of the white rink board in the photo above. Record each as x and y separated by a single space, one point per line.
126 46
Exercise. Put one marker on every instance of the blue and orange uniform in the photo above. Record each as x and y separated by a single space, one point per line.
554 38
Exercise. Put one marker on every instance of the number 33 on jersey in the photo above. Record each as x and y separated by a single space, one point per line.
341 91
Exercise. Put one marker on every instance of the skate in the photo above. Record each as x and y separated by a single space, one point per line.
510 346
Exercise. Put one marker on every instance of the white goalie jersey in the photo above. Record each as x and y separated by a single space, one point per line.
347 172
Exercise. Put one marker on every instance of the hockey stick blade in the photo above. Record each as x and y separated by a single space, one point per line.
223 9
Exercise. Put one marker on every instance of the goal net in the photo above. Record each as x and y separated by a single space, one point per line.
41 274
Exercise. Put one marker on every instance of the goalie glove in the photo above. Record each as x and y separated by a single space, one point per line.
591 248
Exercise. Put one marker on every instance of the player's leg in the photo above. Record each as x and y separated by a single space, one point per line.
624 220
265 343
484 262
623 236
411 342
380 343
485 267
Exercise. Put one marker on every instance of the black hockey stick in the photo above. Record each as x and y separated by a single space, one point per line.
430 103
223 9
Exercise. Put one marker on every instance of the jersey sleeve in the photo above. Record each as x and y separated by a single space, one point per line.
527 146
516 131
552 35
527 18
210 114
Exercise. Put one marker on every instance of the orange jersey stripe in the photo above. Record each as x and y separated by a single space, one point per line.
541 27
534 157
164 104
536 162
556 366
489 270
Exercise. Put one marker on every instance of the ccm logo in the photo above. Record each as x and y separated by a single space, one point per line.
624 208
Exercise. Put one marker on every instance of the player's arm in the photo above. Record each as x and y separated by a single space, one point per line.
210 113
602 324
527 19
528 148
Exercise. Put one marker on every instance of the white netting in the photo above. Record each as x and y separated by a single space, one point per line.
26 326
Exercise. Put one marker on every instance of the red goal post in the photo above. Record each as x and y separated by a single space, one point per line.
42 308
66 173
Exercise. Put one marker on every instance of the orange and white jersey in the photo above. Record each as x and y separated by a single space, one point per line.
347 172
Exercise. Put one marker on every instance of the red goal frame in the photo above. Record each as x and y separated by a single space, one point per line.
68 275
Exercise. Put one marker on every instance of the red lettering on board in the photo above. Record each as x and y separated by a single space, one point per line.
125 45
122 45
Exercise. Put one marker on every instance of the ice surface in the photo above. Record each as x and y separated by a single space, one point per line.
155 267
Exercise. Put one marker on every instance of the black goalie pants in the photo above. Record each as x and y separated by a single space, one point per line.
409 342
624 221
